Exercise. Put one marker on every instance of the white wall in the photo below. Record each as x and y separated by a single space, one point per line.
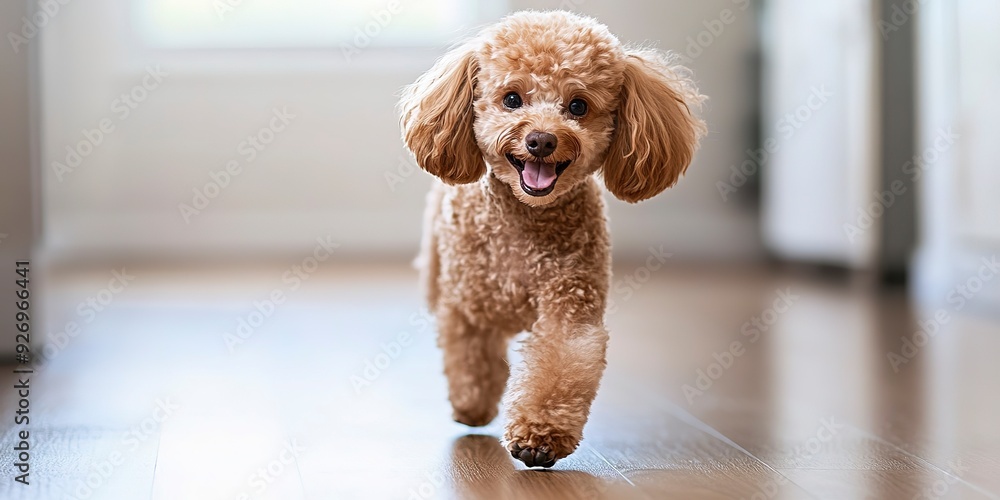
959 206
326 174
824 169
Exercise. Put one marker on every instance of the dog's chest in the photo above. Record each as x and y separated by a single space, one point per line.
498 262
493 266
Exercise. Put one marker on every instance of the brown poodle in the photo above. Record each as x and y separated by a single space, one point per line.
516 122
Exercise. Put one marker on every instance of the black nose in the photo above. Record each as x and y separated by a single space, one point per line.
541 144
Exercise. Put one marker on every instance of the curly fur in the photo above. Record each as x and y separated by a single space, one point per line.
497 260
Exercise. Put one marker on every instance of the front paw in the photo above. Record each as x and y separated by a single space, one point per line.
539 449
543 456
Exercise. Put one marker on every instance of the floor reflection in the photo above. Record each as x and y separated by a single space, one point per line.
484 471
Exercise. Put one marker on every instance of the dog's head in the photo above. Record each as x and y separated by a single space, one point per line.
545 99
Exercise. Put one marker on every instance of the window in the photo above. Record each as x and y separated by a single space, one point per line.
178 24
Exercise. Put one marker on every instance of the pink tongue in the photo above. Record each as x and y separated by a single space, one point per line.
538 176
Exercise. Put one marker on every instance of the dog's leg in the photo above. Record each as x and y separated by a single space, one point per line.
475 361
551 393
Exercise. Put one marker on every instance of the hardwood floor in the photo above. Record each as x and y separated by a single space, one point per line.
722 383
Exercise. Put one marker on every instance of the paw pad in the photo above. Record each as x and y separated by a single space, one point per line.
543 456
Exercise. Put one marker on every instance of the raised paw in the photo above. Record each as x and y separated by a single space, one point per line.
474 417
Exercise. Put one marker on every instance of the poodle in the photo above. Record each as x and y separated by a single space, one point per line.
515 123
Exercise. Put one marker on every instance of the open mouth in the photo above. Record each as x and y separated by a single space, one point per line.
537 177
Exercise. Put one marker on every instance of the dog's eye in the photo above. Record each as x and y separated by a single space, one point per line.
512 100
578 107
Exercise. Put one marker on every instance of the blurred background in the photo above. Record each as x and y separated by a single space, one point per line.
211 147
815 112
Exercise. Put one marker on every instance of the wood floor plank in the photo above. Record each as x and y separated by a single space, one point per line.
935 407
664 456
82 462
774 396
809 409
871 484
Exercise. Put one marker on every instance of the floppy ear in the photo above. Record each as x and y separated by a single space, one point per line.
437 118
656 132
